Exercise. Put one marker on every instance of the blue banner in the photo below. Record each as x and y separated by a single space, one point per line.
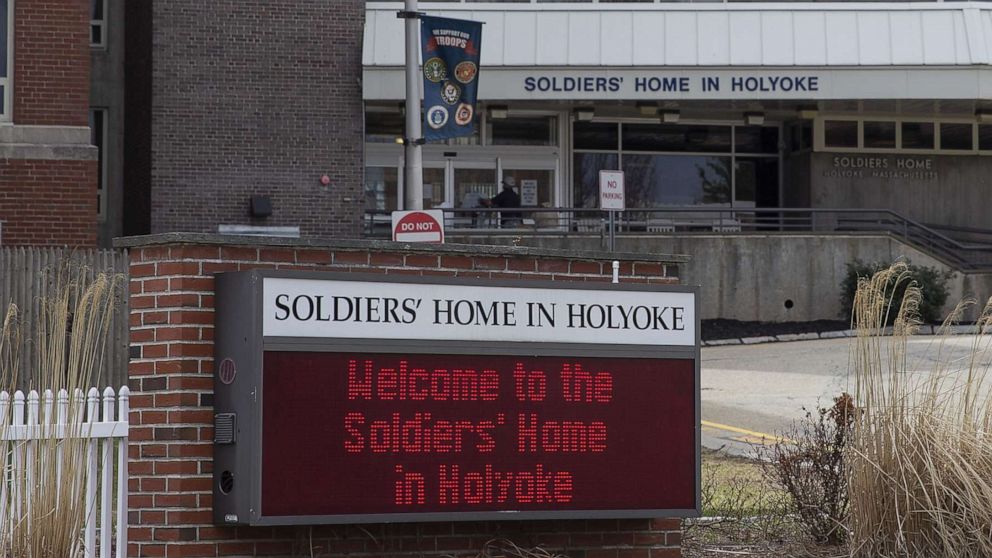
450 49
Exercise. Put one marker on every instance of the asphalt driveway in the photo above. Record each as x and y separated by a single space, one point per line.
750 392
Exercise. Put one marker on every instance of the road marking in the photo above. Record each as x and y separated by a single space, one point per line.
749 433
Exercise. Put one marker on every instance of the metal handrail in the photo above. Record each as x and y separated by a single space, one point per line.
967 256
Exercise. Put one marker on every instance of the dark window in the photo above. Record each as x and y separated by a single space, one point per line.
985 137
880 135
4 38
585 174
917 135
955 136
656 180
98 127
596 135
383 127
98 21
538 130
840 133
756 139
802 135
676 137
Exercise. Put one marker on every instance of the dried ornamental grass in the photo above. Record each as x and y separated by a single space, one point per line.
505 548
42 504
919 463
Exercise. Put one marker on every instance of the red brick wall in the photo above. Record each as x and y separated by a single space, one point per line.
52 62
48 202
171 375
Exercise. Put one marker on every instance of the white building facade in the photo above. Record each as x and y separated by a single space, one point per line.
724 106
741 104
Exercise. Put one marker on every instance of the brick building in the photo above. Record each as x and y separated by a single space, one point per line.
227 102
48 167
102 135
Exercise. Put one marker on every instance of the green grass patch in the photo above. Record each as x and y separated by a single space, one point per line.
737 487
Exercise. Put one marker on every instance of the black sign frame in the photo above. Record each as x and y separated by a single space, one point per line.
239 336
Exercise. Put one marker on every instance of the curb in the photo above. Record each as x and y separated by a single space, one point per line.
924 330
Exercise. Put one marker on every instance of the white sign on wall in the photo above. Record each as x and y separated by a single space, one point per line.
611 190
528 192
433 312
568 84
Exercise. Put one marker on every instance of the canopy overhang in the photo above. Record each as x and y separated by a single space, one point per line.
795 51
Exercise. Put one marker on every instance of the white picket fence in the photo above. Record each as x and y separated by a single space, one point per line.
26 421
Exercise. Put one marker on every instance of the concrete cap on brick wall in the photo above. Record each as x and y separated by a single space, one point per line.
389 246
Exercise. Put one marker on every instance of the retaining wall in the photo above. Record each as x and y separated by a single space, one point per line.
754 277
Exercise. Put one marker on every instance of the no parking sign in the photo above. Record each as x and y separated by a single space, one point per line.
418 226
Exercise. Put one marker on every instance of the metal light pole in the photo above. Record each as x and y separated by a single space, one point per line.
413 170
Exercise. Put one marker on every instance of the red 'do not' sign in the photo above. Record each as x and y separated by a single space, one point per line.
418 226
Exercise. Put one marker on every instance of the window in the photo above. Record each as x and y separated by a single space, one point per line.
6 58
98 23
676 137
801 136
381 185
535 130
596 135
985 137
756 139
840 133
653 180
585 174
912 135
880 135
955 136
535 186
98 137
383 127
917 135
678 164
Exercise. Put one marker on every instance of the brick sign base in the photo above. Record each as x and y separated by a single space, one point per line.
172 378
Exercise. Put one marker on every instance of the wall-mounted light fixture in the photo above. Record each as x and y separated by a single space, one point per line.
670 116
648 109
754 118
984 116
498 111
807 113
585 114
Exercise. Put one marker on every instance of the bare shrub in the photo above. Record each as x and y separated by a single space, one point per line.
809 465
44 506
919 461
739 505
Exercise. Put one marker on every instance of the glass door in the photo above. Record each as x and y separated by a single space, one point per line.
434 190
535 181
473 185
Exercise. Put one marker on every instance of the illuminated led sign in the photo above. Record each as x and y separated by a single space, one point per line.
361 400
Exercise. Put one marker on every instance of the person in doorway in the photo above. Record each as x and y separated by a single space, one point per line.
508 198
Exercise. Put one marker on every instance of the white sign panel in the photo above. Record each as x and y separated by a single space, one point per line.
617 83
434 312
418 226
528 193
611 190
